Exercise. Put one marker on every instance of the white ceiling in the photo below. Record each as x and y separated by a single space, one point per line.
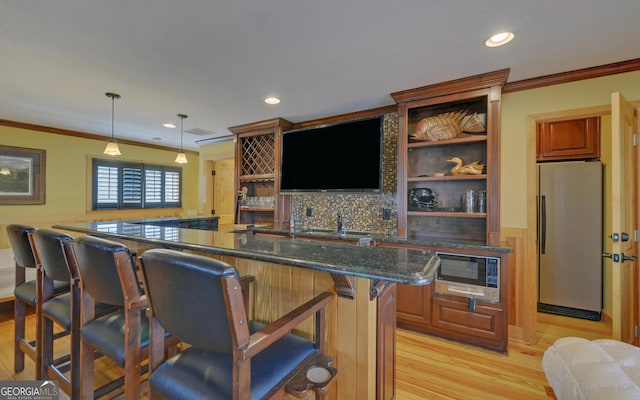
216 60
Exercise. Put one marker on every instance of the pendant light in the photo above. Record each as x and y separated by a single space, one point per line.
112 148
181 158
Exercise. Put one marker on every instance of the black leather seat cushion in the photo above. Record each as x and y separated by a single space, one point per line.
200 374
106 335
58 309
27 291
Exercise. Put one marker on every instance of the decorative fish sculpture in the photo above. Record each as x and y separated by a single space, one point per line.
446 126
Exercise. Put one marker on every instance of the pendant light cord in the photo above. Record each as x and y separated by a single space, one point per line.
113 97
182 117
113 102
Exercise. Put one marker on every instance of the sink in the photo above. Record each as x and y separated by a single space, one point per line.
317 230
356 233
333 231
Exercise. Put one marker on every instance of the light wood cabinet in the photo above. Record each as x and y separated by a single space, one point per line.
576 139
427 165
258 172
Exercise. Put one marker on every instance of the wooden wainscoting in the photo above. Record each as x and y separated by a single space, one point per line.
523 286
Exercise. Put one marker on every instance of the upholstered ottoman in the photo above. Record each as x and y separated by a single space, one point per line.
605 369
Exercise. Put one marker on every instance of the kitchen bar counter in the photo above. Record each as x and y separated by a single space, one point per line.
409 267
376 238
361 319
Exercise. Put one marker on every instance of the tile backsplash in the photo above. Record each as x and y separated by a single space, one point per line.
359 211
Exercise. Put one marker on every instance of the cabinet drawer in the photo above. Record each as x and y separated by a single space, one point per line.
484 326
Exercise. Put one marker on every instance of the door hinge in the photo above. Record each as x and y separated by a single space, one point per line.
213 212
636 331
213 173
636 139
636 235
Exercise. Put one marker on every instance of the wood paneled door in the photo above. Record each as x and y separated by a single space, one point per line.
624 217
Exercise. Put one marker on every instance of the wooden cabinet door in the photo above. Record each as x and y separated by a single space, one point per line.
414 306
569 140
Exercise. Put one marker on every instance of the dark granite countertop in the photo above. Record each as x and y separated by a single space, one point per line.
354 236
411 267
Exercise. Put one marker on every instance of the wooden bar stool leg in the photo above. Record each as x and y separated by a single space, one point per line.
86 354
19 330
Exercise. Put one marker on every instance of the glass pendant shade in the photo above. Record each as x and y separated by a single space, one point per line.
5 171
112 148
181 158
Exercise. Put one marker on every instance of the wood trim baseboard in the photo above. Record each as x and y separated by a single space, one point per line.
607 320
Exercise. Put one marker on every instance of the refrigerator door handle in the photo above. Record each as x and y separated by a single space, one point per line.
543 224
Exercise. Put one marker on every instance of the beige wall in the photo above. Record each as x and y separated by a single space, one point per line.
66 188
67 168
515 109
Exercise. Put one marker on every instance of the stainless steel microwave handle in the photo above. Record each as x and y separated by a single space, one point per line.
469 292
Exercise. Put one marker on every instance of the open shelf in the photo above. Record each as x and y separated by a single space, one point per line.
458 140
456 214
446 178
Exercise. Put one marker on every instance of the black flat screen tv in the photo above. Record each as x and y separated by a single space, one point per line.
341 157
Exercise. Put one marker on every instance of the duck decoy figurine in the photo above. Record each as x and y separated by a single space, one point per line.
474 168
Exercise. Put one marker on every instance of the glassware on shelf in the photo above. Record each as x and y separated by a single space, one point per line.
468 201
482 201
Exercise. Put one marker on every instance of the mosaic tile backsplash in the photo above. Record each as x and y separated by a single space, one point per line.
360 212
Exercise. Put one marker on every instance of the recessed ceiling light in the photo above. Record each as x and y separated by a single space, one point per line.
499 39
272 100
169 125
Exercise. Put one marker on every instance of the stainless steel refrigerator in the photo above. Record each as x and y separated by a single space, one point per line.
570 239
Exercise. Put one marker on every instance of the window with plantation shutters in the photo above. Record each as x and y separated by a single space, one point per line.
120 185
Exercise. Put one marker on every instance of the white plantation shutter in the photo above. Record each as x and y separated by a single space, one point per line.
172 187
106 180
132 186
152 186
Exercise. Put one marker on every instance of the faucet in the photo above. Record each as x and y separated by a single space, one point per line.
339 224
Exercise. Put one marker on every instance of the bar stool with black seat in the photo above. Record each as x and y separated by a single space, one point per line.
27 294
200 301
107 274
52 252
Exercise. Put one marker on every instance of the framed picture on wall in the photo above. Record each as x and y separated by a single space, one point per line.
22 175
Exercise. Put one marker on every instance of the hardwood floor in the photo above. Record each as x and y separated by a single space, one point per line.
427 367
435 368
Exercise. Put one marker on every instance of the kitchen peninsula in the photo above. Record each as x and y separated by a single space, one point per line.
360 321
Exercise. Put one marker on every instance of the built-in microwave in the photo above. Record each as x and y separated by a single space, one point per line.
472 276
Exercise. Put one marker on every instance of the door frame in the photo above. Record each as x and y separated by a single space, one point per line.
530 273
636 168
624 218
